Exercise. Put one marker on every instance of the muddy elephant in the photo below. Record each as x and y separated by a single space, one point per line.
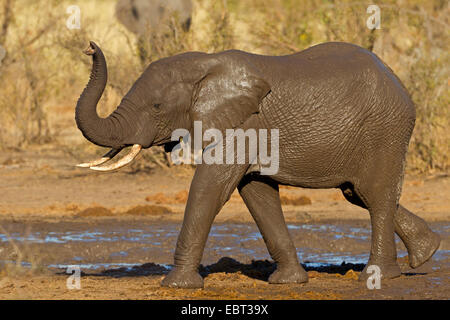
344 121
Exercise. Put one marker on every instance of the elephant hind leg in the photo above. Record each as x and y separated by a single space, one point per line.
420 241
261 195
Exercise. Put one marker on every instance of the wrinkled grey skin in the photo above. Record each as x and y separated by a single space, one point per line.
139 16
344 120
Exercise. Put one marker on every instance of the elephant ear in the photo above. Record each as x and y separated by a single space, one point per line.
229 93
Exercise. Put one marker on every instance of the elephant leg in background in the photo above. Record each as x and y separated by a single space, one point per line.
261 195
211 187
420 241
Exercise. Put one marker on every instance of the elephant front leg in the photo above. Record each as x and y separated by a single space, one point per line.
211 187
263 201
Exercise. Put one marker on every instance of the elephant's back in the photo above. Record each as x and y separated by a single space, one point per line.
335 100
335 79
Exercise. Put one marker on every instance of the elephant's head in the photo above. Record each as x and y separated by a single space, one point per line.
221 90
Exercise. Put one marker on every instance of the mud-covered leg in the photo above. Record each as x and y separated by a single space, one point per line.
383 252
420 241
418 238
379 186
262 198
211 187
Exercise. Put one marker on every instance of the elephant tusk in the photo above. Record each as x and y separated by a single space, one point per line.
111 154
122 162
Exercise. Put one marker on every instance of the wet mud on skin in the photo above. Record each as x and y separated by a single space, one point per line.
127 258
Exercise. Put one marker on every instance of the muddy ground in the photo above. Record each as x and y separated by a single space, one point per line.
121 228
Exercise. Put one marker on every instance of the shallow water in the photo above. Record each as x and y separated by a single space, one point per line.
113 244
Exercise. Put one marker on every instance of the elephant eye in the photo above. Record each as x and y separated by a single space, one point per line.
157 105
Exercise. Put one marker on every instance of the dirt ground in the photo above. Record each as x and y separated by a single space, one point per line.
53 214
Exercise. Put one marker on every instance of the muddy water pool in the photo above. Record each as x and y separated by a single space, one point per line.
96 246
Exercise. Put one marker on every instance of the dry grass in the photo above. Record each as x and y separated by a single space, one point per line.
44 71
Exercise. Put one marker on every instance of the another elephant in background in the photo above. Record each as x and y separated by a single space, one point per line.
152 19
344 121
141 16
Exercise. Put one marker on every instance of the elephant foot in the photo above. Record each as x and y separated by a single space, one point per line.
182 278
422 250
387 271
289 274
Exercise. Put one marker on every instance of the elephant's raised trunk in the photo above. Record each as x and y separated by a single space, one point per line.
104 132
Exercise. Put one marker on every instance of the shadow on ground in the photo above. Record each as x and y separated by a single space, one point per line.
259 269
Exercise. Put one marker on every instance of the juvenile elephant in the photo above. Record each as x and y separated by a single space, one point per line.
344 121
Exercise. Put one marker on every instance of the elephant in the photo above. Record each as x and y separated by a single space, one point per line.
344 121
150 18
140 15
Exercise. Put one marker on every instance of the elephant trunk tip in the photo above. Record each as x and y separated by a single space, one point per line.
91 49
